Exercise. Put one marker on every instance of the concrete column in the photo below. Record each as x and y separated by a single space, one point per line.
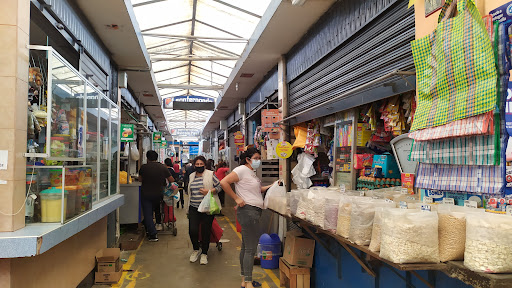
282 99
14 32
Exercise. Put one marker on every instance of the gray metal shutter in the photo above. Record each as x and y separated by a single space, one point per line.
383 45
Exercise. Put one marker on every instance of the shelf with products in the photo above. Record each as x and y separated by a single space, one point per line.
65 113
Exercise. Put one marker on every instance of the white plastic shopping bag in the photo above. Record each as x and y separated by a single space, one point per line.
276 190
204 207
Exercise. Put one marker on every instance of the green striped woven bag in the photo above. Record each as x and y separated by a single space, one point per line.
455 71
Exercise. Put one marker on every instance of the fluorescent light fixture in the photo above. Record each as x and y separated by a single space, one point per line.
298 2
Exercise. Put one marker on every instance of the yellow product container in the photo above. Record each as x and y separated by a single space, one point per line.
86 197
51 204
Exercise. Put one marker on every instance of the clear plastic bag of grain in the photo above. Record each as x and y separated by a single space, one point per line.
344 212
376 231
488 243
295 196
409 236
361 219
452 232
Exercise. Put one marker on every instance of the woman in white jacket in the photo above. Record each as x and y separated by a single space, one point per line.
200 183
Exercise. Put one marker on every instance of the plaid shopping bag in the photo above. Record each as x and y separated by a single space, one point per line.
455 71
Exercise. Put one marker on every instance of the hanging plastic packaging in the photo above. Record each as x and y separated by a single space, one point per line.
134 152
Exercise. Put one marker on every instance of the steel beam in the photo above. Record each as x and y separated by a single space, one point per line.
191 37
187 87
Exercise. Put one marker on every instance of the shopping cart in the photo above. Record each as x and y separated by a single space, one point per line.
215 235
167 207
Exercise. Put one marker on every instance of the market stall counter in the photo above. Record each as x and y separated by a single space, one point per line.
454 269
35 239
130 212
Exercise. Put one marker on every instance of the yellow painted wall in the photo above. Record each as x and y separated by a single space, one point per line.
425 25
63 266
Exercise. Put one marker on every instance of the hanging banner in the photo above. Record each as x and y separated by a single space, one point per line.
157 137
239 138
127 133
185 132
284 150
270 119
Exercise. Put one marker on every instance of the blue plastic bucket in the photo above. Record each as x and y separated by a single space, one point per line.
269 250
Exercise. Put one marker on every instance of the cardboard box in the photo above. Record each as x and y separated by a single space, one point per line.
388 165
107 277
108 260
298 251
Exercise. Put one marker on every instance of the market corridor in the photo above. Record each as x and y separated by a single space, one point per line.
166 263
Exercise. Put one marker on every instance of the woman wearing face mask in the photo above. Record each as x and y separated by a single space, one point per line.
249 200
201 182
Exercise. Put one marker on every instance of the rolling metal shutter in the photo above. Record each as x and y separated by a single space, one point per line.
381 46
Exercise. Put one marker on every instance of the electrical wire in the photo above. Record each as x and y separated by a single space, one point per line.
28 194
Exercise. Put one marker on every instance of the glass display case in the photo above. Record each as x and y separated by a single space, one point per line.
57 193
72 125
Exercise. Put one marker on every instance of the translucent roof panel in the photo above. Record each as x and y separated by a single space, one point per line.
195 43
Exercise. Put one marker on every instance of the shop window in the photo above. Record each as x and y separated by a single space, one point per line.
72 141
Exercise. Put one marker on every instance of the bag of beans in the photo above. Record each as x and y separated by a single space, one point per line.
488 243
344 212
361 219
452 232
376 230
409 236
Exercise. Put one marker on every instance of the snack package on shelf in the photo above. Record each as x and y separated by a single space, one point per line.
409 236
488 243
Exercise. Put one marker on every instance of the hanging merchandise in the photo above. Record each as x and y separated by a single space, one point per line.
126 151
313 139
271 149
482 124
473 179
472 150
303 170
462 81
301 134
134 152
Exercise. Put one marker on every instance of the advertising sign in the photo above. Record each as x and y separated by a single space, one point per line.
193 150
239 138
185 132
127 133
168 102
157 137
284 150
269 119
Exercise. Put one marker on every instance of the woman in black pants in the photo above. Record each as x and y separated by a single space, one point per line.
200 183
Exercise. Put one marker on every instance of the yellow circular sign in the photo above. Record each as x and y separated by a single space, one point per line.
284 150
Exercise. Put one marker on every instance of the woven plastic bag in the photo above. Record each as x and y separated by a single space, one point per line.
454 68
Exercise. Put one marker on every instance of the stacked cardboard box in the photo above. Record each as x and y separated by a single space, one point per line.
108 266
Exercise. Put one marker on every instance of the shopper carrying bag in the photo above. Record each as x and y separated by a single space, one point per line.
455 71
249 200
203 185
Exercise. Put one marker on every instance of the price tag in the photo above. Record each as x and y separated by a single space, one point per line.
389 201
426 207
450 201
509 210
410 198
361 193
342 186
403 205
470 204
428 200
404 191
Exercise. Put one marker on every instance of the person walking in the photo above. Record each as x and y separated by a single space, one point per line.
221 172
200 183
249 200
153 176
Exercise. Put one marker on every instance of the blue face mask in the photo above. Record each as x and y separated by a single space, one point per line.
255 164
